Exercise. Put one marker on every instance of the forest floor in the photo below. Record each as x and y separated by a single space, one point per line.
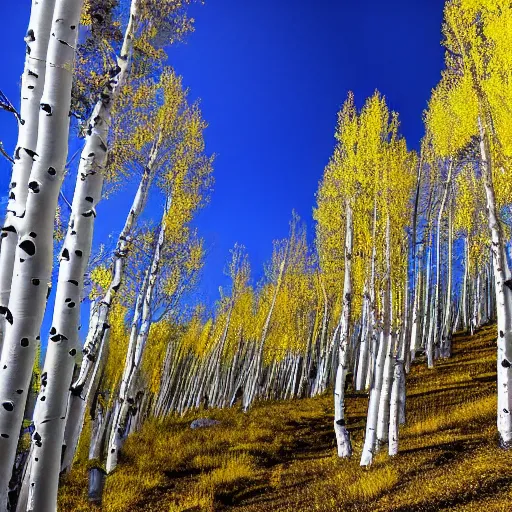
282 456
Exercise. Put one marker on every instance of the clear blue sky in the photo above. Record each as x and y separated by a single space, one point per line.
271 75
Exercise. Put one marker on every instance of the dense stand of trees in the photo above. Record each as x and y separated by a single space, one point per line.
409 248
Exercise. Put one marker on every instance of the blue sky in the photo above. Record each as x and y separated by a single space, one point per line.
271 75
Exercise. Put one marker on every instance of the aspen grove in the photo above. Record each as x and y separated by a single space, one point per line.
409 247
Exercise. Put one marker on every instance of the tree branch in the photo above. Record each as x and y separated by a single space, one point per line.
6 105
5 154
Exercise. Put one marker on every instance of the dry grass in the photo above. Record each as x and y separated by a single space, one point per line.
282 457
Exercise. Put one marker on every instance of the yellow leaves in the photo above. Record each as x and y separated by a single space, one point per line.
371 168
117 346
452 115
470 201
100 281
160 335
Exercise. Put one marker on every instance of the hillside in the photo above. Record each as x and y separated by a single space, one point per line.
281 456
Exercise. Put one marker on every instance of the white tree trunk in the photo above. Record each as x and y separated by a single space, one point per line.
99 322
446 338
60 355
34 254
503 288
465 286
342 435
387 379
373 405
134 354
32 86
394 411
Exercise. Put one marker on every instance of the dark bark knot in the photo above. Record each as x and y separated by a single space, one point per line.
28 246
6 312
505 363
58 337
24 342
8 406
45 107
30 37
34 187
37 439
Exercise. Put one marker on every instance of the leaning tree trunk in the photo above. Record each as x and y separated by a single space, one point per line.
32 86
503 288
254 372
342 434
60 355
134 355
34 254
98 324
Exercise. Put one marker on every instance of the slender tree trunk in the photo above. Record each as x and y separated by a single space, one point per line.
134 357
383 416
503 286
32 86
446 340
34 253
465 286
438 302
394 411
60 360
342 435
99 323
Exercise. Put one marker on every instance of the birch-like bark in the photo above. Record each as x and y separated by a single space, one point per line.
503 289
362 365
394 411
80 389
60 360
437 301
254 372
383 415
134 354
34 253
342 435
446 338
373 405
32 86
465 286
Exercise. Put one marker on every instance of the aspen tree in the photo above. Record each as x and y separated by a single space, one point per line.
34 253
170 146
187 181
32 85
478 55
59 362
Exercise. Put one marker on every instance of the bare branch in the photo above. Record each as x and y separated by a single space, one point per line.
6 105
5 154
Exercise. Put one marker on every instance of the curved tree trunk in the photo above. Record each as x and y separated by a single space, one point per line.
134 355
98 324
503 287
